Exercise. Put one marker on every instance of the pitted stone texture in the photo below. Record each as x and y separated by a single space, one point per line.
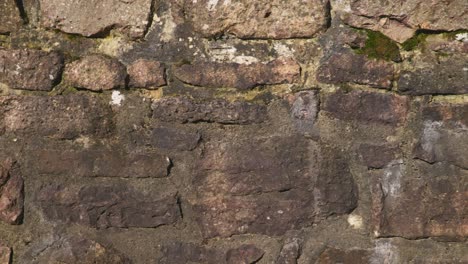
444 134
181 252
94 162
185 110
168 137
107 206
304 110
64 117
240 76
75 249
290 252
346 67
400 19
96 73
377 156
420 201
97 17
33 70
146 74
10 18
5 254
352 256
11 193
267 186
368 107
246 19
448 76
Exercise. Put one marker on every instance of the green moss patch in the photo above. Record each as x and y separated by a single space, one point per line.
379 46
415 42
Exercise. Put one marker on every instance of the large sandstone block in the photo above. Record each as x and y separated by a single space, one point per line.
444 135
10 18
65 117
420 201
11 193
400 19
240 76
448 76
33 70
246 19
369 107
97 17
346 67
186 110
107 206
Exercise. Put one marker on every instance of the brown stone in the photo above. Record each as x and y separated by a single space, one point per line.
377 156
369 107
96 73
346 67
183 110
246 254
146 74
290 252
400 19
33 70
443 136
448 76
10 19
240 76
180 252
352 256
11 193
92 19
261 19
107 206
5 254
76 249
67 116
304 110
167 137
420 201
102 163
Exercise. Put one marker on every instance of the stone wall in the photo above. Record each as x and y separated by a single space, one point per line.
206 131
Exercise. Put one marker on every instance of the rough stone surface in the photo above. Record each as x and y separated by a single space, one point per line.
244 254
447 77
172 138
103 163
11 193
96 18
354 256
10 20
443 136
367 107
5 254
77 249
290 252
96 73
241 76
183 110
146 74
348 67
107 206
262 19
400 19
427 201
28 69
377 156
304 110
65 117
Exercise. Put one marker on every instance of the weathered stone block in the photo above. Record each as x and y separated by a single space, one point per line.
261 19
174 138
424 201
443 136
304 110
364 106
97 18
248 254
102 163
107 206
346 67
400 19
10 19
241 76
377 156
11 193
33 70
75 249
5 254
290 252
183 110
65 117
146 74
447 77
96 73
352 256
